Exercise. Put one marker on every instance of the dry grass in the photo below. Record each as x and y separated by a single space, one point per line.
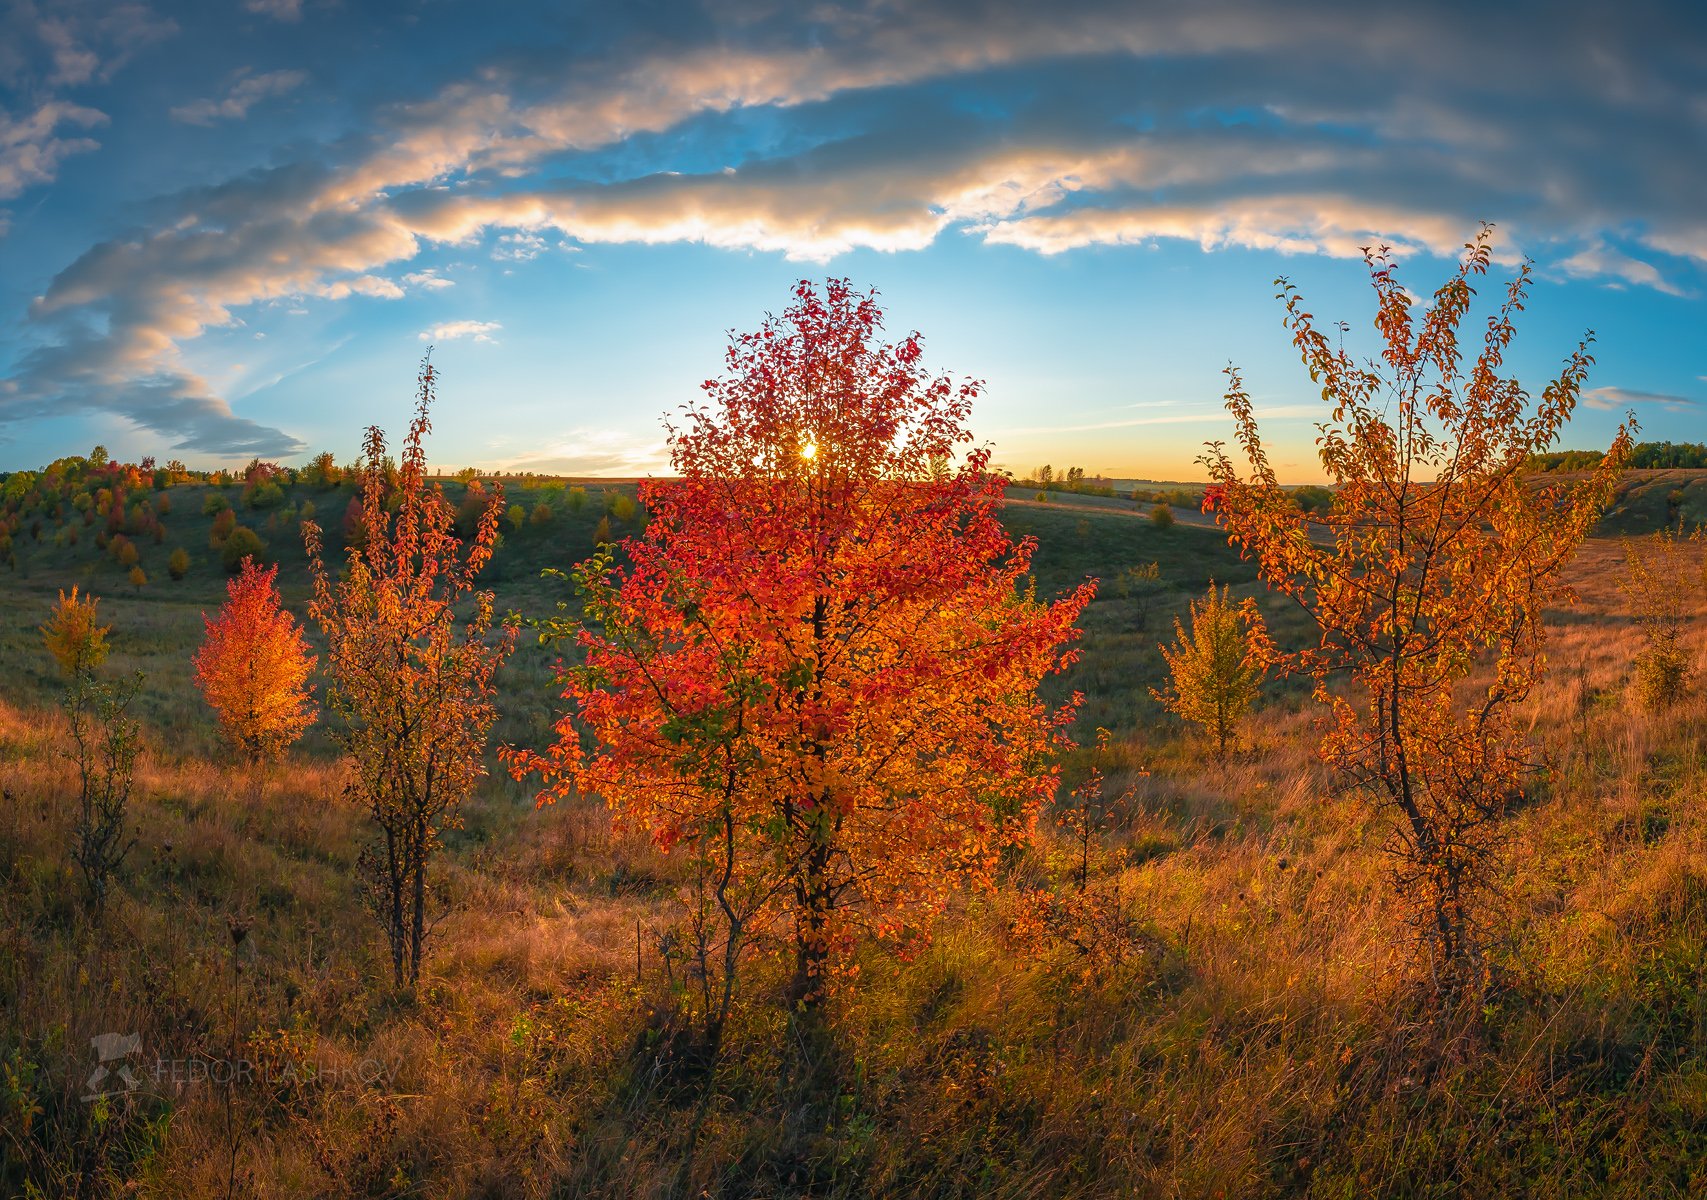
1262 1038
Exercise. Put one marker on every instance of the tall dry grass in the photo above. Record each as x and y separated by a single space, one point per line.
1259 1035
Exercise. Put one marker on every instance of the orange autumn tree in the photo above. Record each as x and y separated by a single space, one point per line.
412 649
817 673
1426 576
253 667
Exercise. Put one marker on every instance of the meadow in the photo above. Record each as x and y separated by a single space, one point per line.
1245 1025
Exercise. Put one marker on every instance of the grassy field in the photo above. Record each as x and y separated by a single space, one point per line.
1259 1039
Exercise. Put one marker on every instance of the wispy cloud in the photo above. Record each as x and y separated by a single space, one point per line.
1218 416
592 452
1233 124
279 10
1621 398
32 147
244 94
449 331
429 281
52 46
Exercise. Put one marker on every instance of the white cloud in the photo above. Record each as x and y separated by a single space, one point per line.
479 331
31 147
244 94
1622 398
428 280
1600 261
1337 159
361 285
519 247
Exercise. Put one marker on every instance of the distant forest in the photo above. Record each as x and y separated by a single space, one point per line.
1647 456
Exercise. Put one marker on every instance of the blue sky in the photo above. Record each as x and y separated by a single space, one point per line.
230 229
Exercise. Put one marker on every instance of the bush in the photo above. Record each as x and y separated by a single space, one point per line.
138 577
1662 674
263 495
223 524
1161 516
178 565
215 503
243 543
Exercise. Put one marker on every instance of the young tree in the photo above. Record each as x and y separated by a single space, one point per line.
253 667
104 743
411 651
178 565
1429 569
1141 585
1218 667
73 636
819 671
1655 571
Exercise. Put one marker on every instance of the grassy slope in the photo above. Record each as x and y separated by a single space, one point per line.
1260 1044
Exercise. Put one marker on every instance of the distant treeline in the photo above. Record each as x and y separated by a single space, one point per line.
1310 497
1073 480
1646 456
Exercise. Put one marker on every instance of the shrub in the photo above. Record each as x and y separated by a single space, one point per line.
263 494
74 638
1655 571
1161 516
1218 667
244 543
179 564
104 746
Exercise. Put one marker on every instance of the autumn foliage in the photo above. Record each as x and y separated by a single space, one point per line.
816 674
1426 576
253 667
1659 572
77 641
412 648
1218 667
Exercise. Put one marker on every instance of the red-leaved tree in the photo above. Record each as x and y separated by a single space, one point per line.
817 673
253 667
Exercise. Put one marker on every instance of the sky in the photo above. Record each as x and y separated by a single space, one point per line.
231 229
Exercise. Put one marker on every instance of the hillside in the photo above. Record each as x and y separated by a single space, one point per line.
1244 1029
